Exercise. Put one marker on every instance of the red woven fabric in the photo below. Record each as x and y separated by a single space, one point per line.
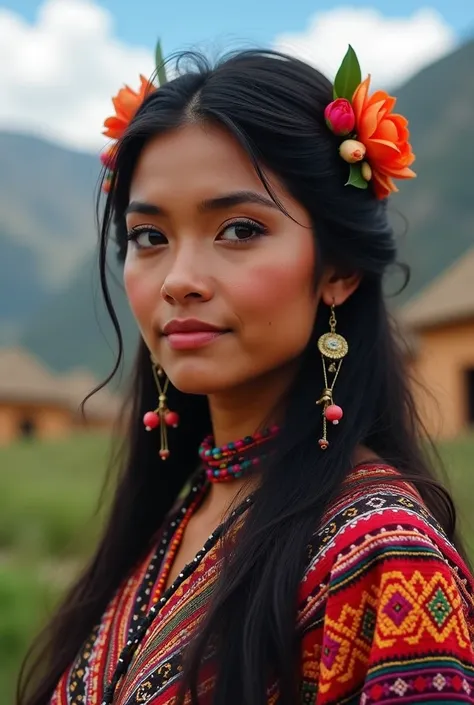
385 613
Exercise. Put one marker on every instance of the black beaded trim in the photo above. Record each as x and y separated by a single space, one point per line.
77 682
143 597
134 640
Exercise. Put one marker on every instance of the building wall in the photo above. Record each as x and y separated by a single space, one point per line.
47 421
443 355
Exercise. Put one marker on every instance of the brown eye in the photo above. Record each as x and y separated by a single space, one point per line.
146 238
242 231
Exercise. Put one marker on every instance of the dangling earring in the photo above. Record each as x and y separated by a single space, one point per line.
161 416
333 348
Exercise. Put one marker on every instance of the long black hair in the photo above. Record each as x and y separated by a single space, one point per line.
273 106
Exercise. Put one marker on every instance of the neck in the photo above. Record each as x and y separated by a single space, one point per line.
251 407
242 412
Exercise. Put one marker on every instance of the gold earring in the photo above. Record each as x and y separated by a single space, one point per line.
333 348
161 416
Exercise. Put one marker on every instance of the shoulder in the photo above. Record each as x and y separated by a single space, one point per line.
386 610
376 528
375 501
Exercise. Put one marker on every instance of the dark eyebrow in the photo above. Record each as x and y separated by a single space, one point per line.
218 203
237 198
144 208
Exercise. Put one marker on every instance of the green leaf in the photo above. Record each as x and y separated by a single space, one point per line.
355 177
160 67
348 76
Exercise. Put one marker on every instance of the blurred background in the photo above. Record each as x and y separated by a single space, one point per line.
61 61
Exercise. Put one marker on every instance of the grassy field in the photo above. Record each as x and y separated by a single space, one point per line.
48 524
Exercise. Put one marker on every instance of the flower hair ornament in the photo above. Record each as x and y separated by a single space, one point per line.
126 104
375 143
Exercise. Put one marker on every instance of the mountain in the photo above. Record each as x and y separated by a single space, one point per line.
438 205
20 285
49 285
46 223
46 217
74 330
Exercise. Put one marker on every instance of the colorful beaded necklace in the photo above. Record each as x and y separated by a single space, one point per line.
220 465
236 459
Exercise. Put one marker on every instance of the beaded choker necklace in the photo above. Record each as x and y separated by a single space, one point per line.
236 459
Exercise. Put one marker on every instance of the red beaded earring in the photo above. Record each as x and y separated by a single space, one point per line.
161 416
333 348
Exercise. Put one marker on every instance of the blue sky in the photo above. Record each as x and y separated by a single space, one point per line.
185 22
67 58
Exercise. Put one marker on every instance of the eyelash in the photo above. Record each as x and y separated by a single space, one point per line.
260 231
133 234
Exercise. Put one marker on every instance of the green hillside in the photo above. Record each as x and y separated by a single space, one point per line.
74 330
62 329
20 286
438 205
46 223
46 195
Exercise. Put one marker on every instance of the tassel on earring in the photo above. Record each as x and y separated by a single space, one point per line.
333 348
161 416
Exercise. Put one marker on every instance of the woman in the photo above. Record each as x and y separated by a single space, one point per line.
311 557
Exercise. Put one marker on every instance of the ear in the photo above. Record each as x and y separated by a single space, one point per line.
336 287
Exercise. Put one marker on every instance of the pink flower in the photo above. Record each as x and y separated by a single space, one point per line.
340 117
108 157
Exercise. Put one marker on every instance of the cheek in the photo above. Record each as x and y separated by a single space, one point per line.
142 289
279 294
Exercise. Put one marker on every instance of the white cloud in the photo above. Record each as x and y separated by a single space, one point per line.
390 49
59 74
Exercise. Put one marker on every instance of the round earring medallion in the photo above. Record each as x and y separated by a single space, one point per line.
333 346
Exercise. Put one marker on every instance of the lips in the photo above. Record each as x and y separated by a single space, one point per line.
190 334
190 325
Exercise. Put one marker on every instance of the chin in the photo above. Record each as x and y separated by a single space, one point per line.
199 377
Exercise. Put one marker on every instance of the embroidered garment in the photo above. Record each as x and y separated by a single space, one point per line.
385 615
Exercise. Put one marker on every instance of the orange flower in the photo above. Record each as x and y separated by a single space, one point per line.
126 104
385 136
106 184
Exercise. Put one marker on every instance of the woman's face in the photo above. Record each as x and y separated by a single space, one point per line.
221 282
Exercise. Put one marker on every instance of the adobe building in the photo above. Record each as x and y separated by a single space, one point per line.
440 324
37 403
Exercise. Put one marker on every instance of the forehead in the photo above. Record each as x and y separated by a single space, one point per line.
193 159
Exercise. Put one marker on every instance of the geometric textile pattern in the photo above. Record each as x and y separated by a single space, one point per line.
394 626
414 606
384 613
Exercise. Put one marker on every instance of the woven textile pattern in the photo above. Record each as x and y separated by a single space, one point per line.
385 613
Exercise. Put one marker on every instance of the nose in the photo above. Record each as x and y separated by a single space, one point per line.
186 281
